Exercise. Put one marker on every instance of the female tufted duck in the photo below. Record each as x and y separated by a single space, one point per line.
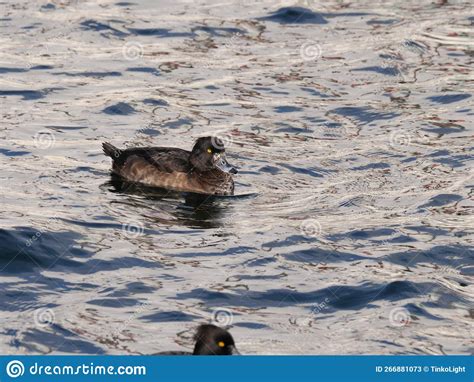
204 170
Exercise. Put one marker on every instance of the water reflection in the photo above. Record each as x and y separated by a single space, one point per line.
355 182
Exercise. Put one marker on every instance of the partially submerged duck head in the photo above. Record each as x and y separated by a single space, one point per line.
212 340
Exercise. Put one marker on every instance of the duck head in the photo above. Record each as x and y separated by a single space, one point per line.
212 340
209 154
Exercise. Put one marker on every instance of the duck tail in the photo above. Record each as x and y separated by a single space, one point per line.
110 150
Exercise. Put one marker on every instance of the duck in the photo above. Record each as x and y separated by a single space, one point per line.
203 170
210 340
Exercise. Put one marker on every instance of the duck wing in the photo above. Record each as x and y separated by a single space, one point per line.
164 159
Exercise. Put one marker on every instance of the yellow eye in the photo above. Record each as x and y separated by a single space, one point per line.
209 151
221 344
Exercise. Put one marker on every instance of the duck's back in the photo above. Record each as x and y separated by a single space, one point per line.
163 159
174 353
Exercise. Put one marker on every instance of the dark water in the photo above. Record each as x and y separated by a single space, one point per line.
351 125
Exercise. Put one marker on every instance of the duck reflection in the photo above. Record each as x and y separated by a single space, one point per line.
187 209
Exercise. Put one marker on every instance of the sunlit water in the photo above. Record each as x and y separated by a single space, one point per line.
352 129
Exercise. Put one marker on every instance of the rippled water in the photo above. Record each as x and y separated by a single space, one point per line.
351 124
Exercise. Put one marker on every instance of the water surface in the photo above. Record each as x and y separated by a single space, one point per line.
351 124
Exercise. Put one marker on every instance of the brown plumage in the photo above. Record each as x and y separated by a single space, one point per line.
203 170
